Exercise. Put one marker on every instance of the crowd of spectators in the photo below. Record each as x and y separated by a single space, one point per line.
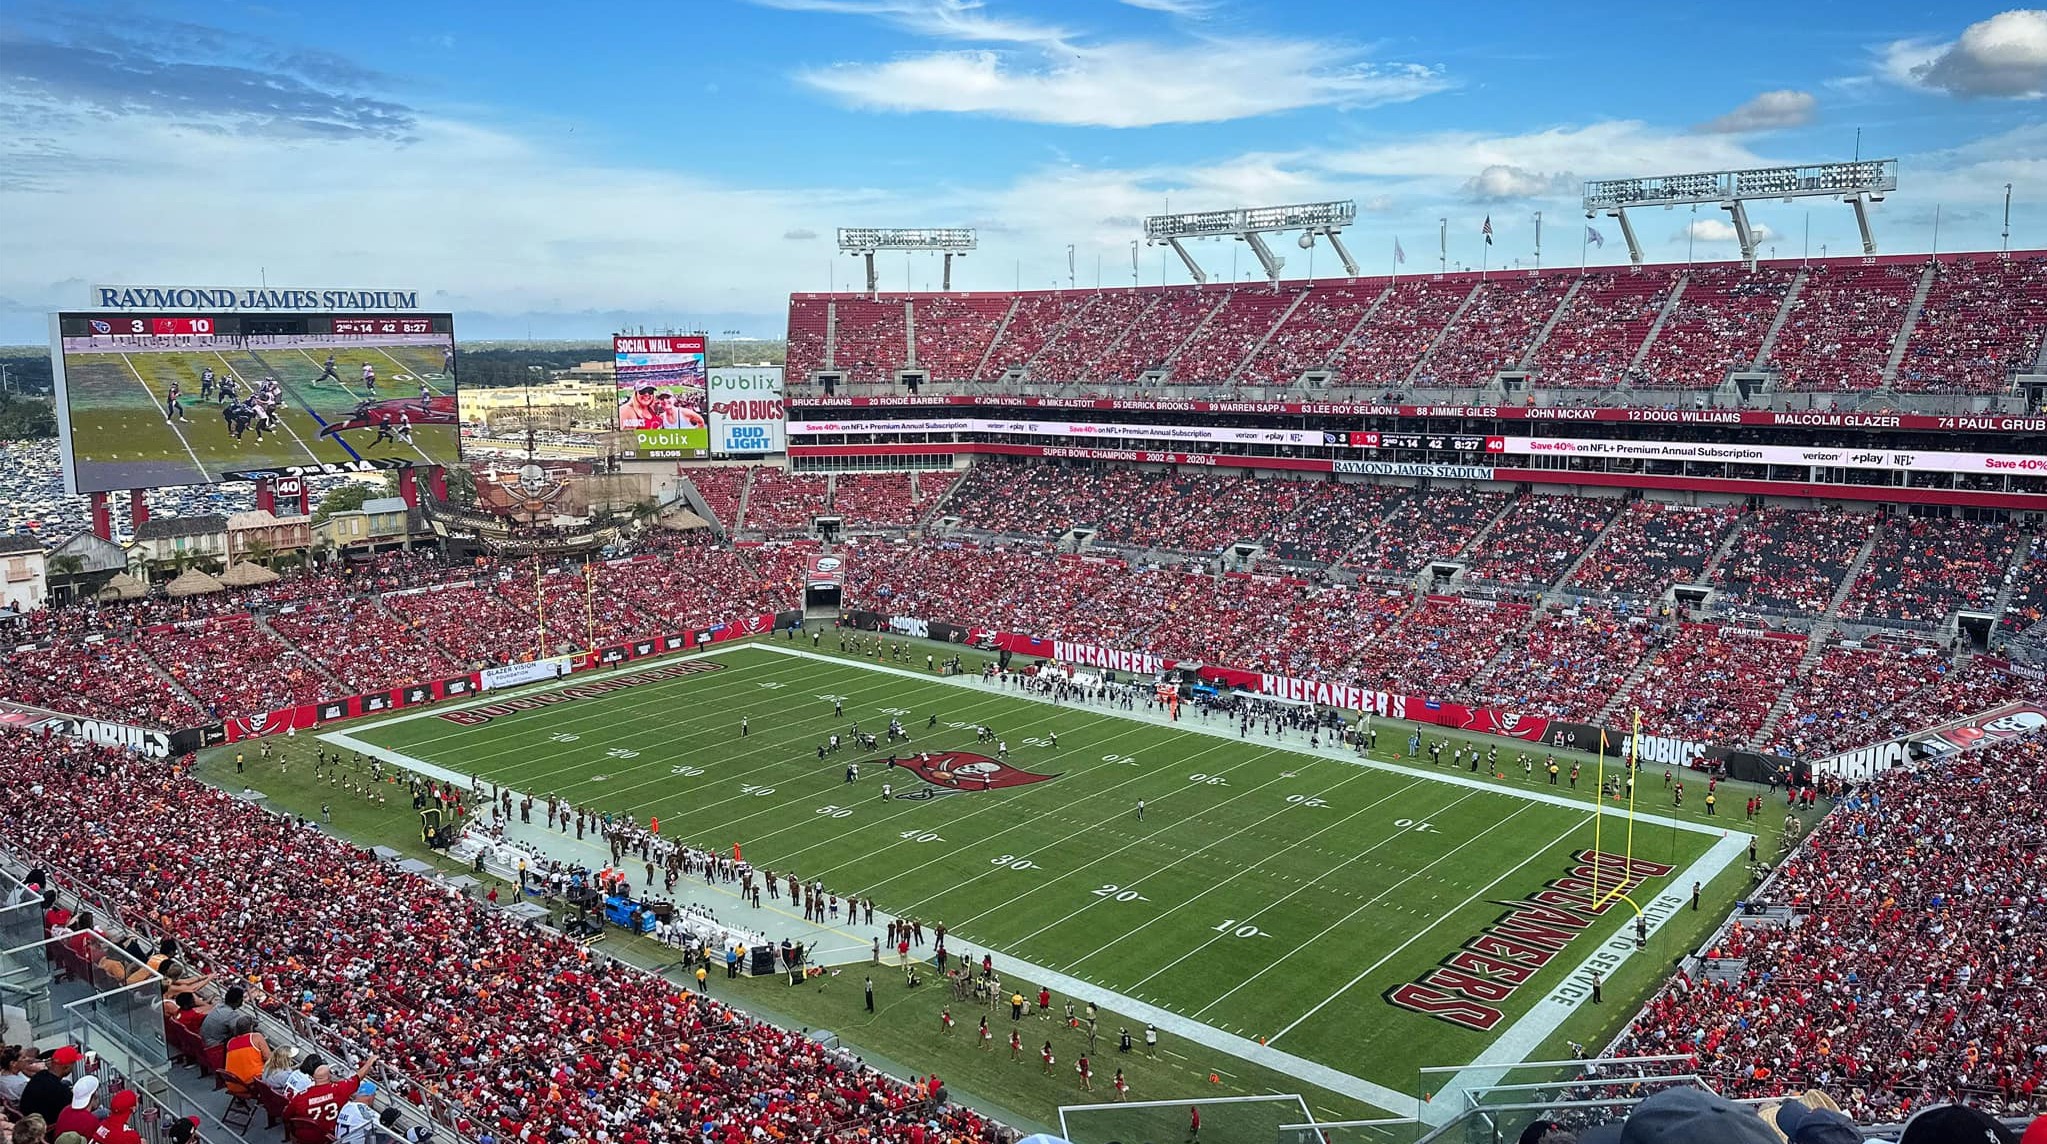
235 667
1444 644
1712 685
1432 527
1717 326
1310 336
1537 539
1842 701
1842 325
1792 560
1922 569
1983 320
1594 342
809 322
721 487
1156 335
1908 975
1494 332
1385 350
878 500
362 645
1653 545
779 501
871 339
1235 329
1568 663
2028 603
1089 333
102 677
1332 519
504 1031
1033 321
954 331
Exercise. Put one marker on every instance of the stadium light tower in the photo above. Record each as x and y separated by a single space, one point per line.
864 241
1250 225
1861 182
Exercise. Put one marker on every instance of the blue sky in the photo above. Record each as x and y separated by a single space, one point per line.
565 169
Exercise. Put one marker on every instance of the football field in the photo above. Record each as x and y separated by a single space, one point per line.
1345 921
123 438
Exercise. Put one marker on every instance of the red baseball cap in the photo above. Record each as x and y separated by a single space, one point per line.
66 1055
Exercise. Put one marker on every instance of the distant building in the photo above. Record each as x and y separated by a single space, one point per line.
166 541
380 521
258 535
24 578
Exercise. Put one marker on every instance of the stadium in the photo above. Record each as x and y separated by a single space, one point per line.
1451 705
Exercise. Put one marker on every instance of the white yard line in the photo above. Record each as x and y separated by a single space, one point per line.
403 368
1440 919
165 410
1521 1038
280 420
352 393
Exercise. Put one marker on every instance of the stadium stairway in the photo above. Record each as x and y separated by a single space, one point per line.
1194 335
1271 330
1557 590
694 498
1911 323
739 514
1854 572
264 625
1670 305
1784 308
1479 538
831 340
1816 643
1726 546
1442 335
994 340
1527 360
1611 710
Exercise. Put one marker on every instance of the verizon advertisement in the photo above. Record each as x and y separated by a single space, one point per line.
1069 429
747 413
2021 464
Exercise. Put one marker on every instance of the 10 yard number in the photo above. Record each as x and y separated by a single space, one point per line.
1230 928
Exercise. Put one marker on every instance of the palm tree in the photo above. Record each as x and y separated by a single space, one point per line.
260 551
66 566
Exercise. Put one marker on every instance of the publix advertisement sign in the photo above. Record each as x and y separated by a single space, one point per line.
746 409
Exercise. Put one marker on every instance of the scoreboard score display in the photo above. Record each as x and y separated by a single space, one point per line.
157 398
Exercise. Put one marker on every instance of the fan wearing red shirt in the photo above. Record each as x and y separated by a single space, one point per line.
322 1102
114 1129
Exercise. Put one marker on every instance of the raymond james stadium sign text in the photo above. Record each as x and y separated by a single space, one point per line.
250 298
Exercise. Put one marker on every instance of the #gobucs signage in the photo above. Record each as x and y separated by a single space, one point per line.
949 772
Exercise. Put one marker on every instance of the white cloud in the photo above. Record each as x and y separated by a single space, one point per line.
799 234
1190 9
1766 112
1502 182
2004 56
1129 83
944 19
1720 230
1618 146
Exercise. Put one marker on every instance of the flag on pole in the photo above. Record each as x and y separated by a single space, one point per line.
1593 236
1399 255
1487 230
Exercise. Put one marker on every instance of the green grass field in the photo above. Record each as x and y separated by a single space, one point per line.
1268 894
122 440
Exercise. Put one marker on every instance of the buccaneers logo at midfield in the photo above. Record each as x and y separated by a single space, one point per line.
950 771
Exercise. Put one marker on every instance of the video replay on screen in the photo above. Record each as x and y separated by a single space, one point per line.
150 400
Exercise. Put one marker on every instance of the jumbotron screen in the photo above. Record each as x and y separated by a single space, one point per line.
149 400
661 384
